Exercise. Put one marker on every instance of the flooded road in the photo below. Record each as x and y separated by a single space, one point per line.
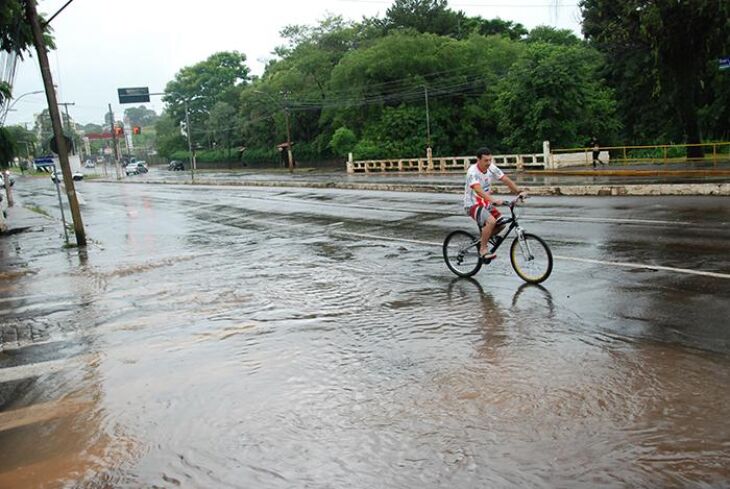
265 337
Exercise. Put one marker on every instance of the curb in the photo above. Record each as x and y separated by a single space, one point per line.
701 189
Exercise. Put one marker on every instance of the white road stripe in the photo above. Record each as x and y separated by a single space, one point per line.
645 267
557 257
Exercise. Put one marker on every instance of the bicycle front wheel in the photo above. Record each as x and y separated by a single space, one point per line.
531 258
461 253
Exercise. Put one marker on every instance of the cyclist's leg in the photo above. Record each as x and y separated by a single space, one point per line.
487 229
485 221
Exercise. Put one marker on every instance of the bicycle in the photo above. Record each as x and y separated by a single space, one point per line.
530 255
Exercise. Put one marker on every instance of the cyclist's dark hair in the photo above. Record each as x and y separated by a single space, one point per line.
483 151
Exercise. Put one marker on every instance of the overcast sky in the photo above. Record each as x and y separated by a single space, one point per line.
103 45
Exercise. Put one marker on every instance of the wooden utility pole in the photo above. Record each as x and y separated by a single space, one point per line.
288 133
114 142
40 46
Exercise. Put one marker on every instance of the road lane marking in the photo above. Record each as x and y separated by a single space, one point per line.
644 266
557 257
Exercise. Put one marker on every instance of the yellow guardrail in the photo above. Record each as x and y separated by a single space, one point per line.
658 153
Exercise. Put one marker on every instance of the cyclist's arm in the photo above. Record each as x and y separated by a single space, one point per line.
512 186
477 189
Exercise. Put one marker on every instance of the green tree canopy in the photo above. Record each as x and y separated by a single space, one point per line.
432 16
204 84
553 94
552 35
222 124
343 141
496 27
140 116
16 35
8 147
169 138
670 44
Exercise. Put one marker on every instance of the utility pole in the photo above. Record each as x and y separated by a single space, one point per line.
428 118
114 141
40 46
188 130
288 133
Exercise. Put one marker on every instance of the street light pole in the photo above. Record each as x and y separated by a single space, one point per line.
15 101
188 130
40 46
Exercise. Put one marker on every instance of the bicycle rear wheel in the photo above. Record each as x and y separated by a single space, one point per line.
531 258
461 253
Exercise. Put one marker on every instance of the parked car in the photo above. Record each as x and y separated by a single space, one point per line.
2 180
135 168
77 176
176 165
89 164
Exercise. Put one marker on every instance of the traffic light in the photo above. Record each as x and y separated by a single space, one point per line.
136 130
118 130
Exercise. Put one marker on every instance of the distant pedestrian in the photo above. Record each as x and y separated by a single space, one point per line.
593 143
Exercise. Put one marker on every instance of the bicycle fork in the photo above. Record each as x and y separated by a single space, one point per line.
524 245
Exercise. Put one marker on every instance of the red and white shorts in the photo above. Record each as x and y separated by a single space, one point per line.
480 212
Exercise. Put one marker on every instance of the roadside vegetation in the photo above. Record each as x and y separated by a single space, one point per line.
425 74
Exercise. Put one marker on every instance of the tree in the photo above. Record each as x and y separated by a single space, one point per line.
461 77
222 124
204 84
8 148
5 92
44 130
140 116
553 93
669 43
432 16
496 27
169 138
16 35
342 142
24 139
551 35
93 128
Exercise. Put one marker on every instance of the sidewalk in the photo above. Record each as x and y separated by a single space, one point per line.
28 237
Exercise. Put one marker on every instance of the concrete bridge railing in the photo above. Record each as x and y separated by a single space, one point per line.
444 164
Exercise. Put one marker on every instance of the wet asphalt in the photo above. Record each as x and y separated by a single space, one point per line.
272 337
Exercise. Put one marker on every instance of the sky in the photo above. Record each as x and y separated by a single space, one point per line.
103 45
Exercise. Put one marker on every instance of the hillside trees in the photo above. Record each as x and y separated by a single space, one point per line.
552 94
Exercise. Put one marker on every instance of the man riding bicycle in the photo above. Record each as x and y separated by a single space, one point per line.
478 201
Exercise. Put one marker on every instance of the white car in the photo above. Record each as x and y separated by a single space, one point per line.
58 175
135 168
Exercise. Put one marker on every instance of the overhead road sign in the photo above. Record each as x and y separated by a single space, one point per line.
133 95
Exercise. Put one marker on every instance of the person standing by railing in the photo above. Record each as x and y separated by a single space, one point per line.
593 143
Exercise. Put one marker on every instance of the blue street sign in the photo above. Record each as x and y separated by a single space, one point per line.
724 63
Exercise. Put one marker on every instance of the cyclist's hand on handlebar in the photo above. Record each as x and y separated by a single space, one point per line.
522 195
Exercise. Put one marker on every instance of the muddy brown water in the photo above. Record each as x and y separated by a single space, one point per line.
219 347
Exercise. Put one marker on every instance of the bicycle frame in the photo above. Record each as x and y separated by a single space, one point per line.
496 239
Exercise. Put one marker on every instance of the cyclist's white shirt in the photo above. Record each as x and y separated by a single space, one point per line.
473 177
